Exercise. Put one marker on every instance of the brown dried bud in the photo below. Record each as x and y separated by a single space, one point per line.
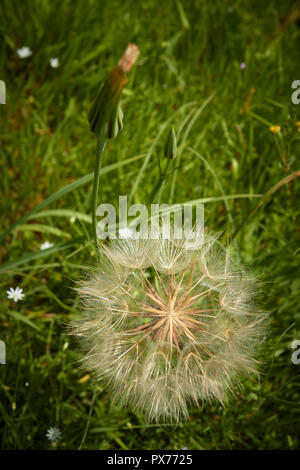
129 58
104 115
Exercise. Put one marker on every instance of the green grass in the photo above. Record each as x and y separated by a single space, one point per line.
188 75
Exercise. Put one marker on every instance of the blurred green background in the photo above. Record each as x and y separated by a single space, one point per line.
219 72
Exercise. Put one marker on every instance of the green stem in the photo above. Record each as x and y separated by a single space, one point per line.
159 186
99 158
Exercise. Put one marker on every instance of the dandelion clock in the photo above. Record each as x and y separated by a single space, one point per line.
167 328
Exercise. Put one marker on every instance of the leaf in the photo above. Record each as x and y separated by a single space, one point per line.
20 317
43 229
42 253
66 189
267 196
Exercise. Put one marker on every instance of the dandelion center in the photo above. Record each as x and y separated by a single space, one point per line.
174 314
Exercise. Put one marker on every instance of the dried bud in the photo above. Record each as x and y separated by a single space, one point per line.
129 58
104 115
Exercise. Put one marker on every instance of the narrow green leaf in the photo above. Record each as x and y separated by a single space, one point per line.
66 189
43 229
20 317
42 253
62 213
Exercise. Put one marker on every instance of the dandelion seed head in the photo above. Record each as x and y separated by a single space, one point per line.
167 328
130 252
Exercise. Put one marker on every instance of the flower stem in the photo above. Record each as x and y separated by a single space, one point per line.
156 193
99 157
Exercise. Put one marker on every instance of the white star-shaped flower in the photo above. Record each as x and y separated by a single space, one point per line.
46 245
15 294
24 52
54 435
54 62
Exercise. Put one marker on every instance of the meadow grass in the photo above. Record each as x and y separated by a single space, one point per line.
189 75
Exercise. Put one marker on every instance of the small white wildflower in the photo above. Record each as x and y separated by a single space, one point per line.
46 245
54 62
72 219
24 52
54 435
15 294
